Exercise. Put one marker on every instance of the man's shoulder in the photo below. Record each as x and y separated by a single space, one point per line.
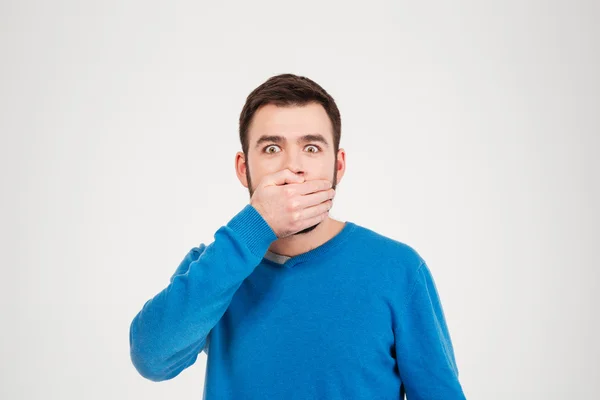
386 250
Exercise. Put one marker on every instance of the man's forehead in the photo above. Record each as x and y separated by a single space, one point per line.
291 124
274 119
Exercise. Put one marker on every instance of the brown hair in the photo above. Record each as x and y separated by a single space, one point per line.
289 90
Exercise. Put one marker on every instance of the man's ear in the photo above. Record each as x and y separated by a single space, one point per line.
340 165
240 168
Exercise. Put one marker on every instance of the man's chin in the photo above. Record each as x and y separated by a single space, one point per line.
307 230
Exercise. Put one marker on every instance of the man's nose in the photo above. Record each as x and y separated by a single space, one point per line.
294 164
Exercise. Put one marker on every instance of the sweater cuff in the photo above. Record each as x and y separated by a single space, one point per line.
253 230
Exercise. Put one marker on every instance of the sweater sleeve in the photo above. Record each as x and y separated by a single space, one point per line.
171 329
424 351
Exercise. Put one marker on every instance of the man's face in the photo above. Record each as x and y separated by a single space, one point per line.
298 138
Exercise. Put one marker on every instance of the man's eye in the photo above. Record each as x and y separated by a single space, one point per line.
268 147
315 147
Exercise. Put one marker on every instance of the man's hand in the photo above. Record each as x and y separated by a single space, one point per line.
289 204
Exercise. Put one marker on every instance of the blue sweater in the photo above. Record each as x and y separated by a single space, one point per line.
358 317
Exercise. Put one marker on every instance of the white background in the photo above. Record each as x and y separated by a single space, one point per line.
471 130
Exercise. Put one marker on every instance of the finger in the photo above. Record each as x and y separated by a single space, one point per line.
313 186
315 211
313 199
282 177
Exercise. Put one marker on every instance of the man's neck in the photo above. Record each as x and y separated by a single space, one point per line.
294 245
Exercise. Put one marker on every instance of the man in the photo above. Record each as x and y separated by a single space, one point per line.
287 302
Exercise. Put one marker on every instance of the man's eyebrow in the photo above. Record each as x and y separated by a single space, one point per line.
315 137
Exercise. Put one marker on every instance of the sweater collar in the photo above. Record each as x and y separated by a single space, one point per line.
318 251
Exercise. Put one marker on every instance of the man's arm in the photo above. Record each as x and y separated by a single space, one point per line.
171 329
424 351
